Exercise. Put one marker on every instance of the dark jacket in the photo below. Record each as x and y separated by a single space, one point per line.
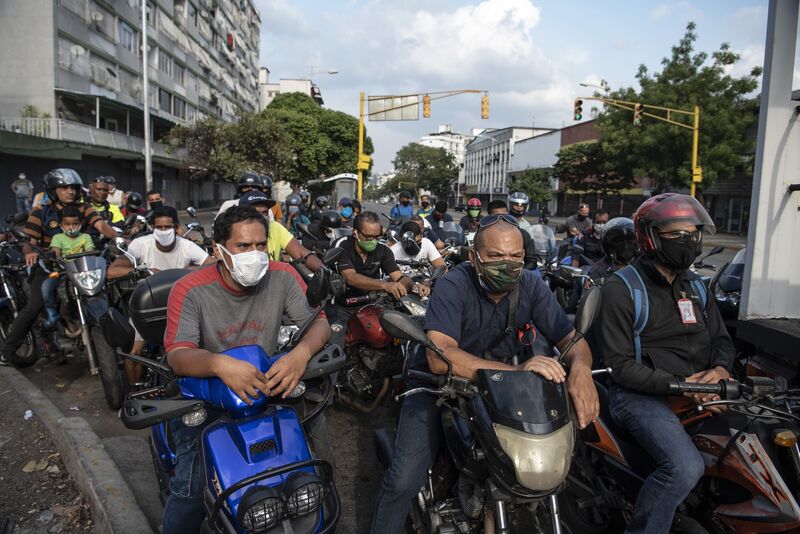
670 349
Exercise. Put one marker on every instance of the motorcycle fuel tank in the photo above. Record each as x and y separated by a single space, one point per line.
365 327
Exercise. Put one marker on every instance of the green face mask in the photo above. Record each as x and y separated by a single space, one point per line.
474 213
499 276
368 245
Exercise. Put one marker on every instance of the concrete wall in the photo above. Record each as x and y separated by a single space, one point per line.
27 60
537 152
579 133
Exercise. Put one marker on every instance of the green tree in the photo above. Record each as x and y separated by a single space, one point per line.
587 167
425 167
663 151
533 182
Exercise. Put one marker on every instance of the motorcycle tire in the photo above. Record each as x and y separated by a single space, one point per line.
112 376
26 354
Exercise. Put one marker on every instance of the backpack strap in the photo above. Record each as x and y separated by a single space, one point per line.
641 305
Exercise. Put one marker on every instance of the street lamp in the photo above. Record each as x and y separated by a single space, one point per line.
312 72
603 88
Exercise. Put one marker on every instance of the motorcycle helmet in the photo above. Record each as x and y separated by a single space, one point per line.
474 203
63 178
321 202
267 184
409 232
518 204
293 203
617 240
304 196
110 180
249 179
661 210
134 200
330 219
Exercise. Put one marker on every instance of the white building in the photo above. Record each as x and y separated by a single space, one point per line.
540 152
268 91
488 159
454 143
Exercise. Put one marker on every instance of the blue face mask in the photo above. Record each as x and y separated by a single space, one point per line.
346 212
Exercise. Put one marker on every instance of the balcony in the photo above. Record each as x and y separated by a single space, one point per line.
76 132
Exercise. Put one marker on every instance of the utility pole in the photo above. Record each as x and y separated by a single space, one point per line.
148 170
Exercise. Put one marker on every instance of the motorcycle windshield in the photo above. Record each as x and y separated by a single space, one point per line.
524 401
215 392
339 233
544 241
731 278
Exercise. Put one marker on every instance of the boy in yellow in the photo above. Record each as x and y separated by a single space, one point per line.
70 241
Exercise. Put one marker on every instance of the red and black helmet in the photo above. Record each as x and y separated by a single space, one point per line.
474 202
664 209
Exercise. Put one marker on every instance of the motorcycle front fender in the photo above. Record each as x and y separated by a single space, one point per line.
95 307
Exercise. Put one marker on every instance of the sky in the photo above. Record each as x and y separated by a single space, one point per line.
529 54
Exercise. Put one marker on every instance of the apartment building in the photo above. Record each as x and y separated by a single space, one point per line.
71 87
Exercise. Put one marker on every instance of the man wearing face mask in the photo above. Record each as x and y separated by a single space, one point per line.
415 247
475 316
470 221
159 251
619 249
241 300
587 248
294 214
579 223
425 206
403 209
681 336
154 199
346 212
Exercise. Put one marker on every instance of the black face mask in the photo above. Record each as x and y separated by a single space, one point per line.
581 217
156 204
405 202
678 254
425 204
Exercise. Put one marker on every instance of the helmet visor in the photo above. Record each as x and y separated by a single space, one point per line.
681 209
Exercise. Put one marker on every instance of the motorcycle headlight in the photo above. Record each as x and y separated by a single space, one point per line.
414 308
305 493
89 280
261 509
285 335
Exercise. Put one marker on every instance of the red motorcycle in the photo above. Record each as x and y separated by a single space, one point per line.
752 464
373 356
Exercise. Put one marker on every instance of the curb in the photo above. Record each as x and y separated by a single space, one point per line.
114 508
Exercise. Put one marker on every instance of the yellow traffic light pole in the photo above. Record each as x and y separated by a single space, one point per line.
364 160
697 171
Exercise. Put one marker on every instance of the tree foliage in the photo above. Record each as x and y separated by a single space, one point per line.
423 167
533 182
662 151
293 139
587 167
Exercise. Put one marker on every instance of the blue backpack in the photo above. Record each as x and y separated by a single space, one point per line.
641 304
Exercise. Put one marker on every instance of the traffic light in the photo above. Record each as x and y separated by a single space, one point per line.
426 106
485 107
577 112
637 114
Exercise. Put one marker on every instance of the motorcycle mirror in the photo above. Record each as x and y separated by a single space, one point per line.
191 211
403 326
331 255
588 310
130 220
318 287
17 232
715 250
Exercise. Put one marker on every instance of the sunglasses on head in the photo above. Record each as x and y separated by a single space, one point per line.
489 220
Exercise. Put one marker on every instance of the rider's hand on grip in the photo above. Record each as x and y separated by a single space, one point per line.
243 378
396 289
31 258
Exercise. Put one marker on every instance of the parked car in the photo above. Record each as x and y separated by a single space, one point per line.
460 207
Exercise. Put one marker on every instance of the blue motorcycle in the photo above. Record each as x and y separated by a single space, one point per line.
260 475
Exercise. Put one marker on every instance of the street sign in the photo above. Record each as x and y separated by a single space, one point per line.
393 108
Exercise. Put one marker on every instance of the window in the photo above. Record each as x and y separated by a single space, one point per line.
102 21
164 101
128 38
191 83
178 74
165 63
179 107
151 13
192 14
191 113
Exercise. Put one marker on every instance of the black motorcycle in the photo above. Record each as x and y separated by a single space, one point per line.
13 298
509 438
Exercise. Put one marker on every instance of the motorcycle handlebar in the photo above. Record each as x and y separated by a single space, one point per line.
435 380
726 389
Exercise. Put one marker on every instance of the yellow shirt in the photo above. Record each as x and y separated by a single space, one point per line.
279 238
113 209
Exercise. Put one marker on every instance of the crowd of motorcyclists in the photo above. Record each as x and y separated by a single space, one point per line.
501 289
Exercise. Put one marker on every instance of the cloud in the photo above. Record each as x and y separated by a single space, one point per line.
684 9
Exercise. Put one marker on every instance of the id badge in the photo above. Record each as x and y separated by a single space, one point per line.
687 311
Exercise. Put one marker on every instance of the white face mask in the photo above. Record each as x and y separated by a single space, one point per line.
248 267
165 238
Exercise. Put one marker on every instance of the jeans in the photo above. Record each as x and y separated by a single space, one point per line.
23 204
678 464
184 511
27 315
419 434
50 298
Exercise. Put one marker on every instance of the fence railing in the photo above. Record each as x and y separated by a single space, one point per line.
76 132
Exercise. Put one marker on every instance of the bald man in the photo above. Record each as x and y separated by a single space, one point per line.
467 318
